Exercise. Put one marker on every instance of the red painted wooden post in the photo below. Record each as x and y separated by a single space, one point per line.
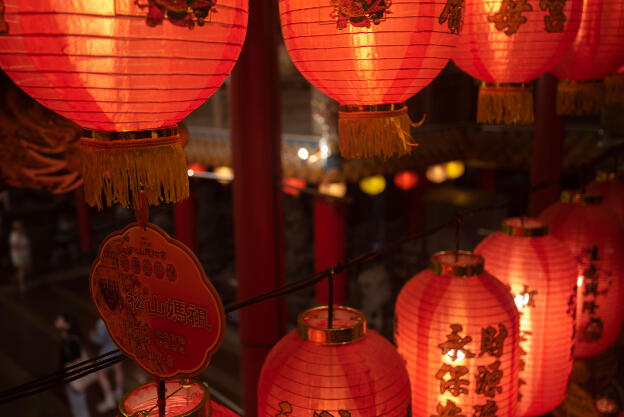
83 218
185 221
547 144
329 246
258 222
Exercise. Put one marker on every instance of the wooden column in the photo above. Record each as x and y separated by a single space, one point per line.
83 218
258 222
329 246
547 145
185 221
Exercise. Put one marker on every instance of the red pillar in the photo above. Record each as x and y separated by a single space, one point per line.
185 221
258 223
83 217
547 144
329 246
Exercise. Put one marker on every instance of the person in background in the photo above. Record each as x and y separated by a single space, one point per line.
71 352
20 253
100 337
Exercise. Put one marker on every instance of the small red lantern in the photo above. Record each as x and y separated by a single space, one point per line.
370 56
292 186
406 180
189 399
343 371
612 191
596 53
457 328
595 236
540 272
513 41
129 71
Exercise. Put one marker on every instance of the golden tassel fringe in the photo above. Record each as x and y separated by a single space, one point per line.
508 105
119 171
580 99
614 89
372 134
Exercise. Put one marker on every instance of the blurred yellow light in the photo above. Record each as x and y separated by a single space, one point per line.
436 173
226 173
454 169
373 185
334 189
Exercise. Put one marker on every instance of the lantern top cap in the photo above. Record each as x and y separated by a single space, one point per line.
189 398
579 197
459 264
349 325
524 227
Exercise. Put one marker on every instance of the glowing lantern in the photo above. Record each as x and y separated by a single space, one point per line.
596 53
291 185
454 169
373 185
333 189
406 180
370 56
190 399
595 236
541 274
344 371
436 173
127 71
498 45
457 328
612 191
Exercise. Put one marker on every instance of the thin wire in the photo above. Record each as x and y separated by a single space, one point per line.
330 298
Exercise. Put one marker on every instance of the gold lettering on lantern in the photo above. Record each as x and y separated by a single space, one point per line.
489 409
450 410
453 13
285 409
184 13
509 16
455 383
592 330
454 347
491 342
359 13
555 20
341 413
488 379
4 26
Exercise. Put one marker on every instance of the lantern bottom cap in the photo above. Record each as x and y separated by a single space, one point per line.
375 131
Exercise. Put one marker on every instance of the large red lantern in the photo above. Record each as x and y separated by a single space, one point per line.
127 71
540 272
597 52
513 41
370 56
595 236
457 328
343 371
187 398
612 191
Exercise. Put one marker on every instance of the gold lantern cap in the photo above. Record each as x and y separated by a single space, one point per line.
524 227
349 325
459 264
579 197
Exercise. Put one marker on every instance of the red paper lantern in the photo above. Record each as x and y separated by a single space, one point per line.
345 371
612 191
370 56
595 236
513 41
126 66
596 53
541 274
190 399
406 180
457 328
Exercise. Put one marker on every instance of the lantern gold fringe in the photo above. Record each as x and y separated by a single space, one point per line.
371 134
580 99
614 89
503 104
119 171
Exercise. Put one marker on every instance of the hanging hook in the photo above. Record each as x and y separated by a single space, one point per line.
330 311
